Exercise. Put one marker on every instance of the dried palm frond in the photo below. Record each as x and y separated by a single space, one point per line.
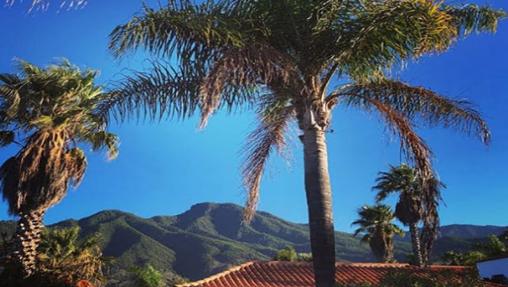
270 134
243 69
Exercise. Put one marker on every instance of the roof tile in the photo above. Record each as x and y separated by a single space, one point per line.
300 274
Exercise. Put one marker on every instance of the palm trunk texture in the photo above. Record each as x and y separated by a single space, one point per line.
27 239
415 240
319 202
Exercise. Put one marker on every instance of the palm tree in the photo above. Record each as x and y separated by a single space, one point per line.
64 257
377 228
409 209
47 112
285 59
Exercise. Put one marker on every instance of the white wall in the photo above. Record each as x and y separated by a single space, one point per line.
493 267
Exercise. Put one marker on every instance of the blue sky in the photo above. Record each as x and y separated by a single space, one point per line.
166 167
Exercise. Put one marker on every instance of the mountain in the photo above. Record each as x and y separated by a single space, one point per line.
209 238
465 231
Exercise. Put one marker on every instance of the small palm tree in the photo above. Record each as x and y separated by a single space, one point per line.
65 258
285 58
377 228
47 112
409 209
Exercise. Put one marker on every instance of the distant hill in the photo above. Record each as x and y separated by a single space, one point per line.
209 238
466 231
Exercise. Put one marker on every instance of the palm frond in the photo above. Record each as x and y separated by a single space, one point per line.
45 4
412 145
187 29
160 92
473 18
6 138
8 184
376 36
420 103
104 140
269 134
76 165
242 70
396 179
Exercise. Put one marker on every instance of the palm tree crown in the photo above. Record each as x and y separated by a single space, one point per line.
404 180
281 58
375 225
50 110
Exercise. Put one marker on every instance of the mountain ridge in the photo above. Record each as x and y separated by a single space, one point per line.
210 237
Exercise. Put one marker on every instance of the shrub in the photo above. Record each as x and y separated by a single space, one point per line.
286 254
148 276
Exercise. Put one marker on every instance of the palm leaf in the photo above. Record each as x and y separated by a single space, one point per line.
240 71
270 133
45 4
160 92
188 30
474 18
418 102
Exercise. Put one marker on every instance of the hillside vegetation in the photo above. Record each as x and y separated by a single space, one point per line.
209 238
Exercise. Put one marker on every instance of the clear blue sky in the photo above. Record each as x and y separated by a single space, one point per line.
165 168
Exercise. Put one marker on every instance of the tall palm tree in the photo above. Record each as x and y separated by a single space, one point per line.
409 209
47 112
375 225
285 59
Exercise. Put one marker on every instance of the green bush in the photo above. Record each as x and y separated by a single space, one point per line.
286 254
148 276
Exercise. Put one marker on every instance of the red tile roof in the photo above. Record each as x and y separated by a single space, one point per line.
300 274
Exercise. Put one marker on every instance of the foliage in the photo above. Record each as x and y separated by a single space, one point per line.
286 254
492 247
165 240
147 276
306 257
403 180
65 258
45 4
504 237
410 207
51 110
375 225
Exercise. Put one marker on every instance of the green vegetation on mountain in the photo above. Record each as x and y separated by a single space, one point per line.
209 238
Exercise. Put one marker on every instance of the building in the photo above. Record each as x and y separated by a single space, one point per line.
494 269
299 274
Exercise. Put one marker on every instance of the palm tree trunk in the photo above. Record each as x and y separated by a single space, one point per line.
319 203
415 240
389 257
27 239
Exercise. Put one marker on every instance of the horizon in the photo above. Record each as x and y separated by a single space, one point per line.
163 167
222 204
